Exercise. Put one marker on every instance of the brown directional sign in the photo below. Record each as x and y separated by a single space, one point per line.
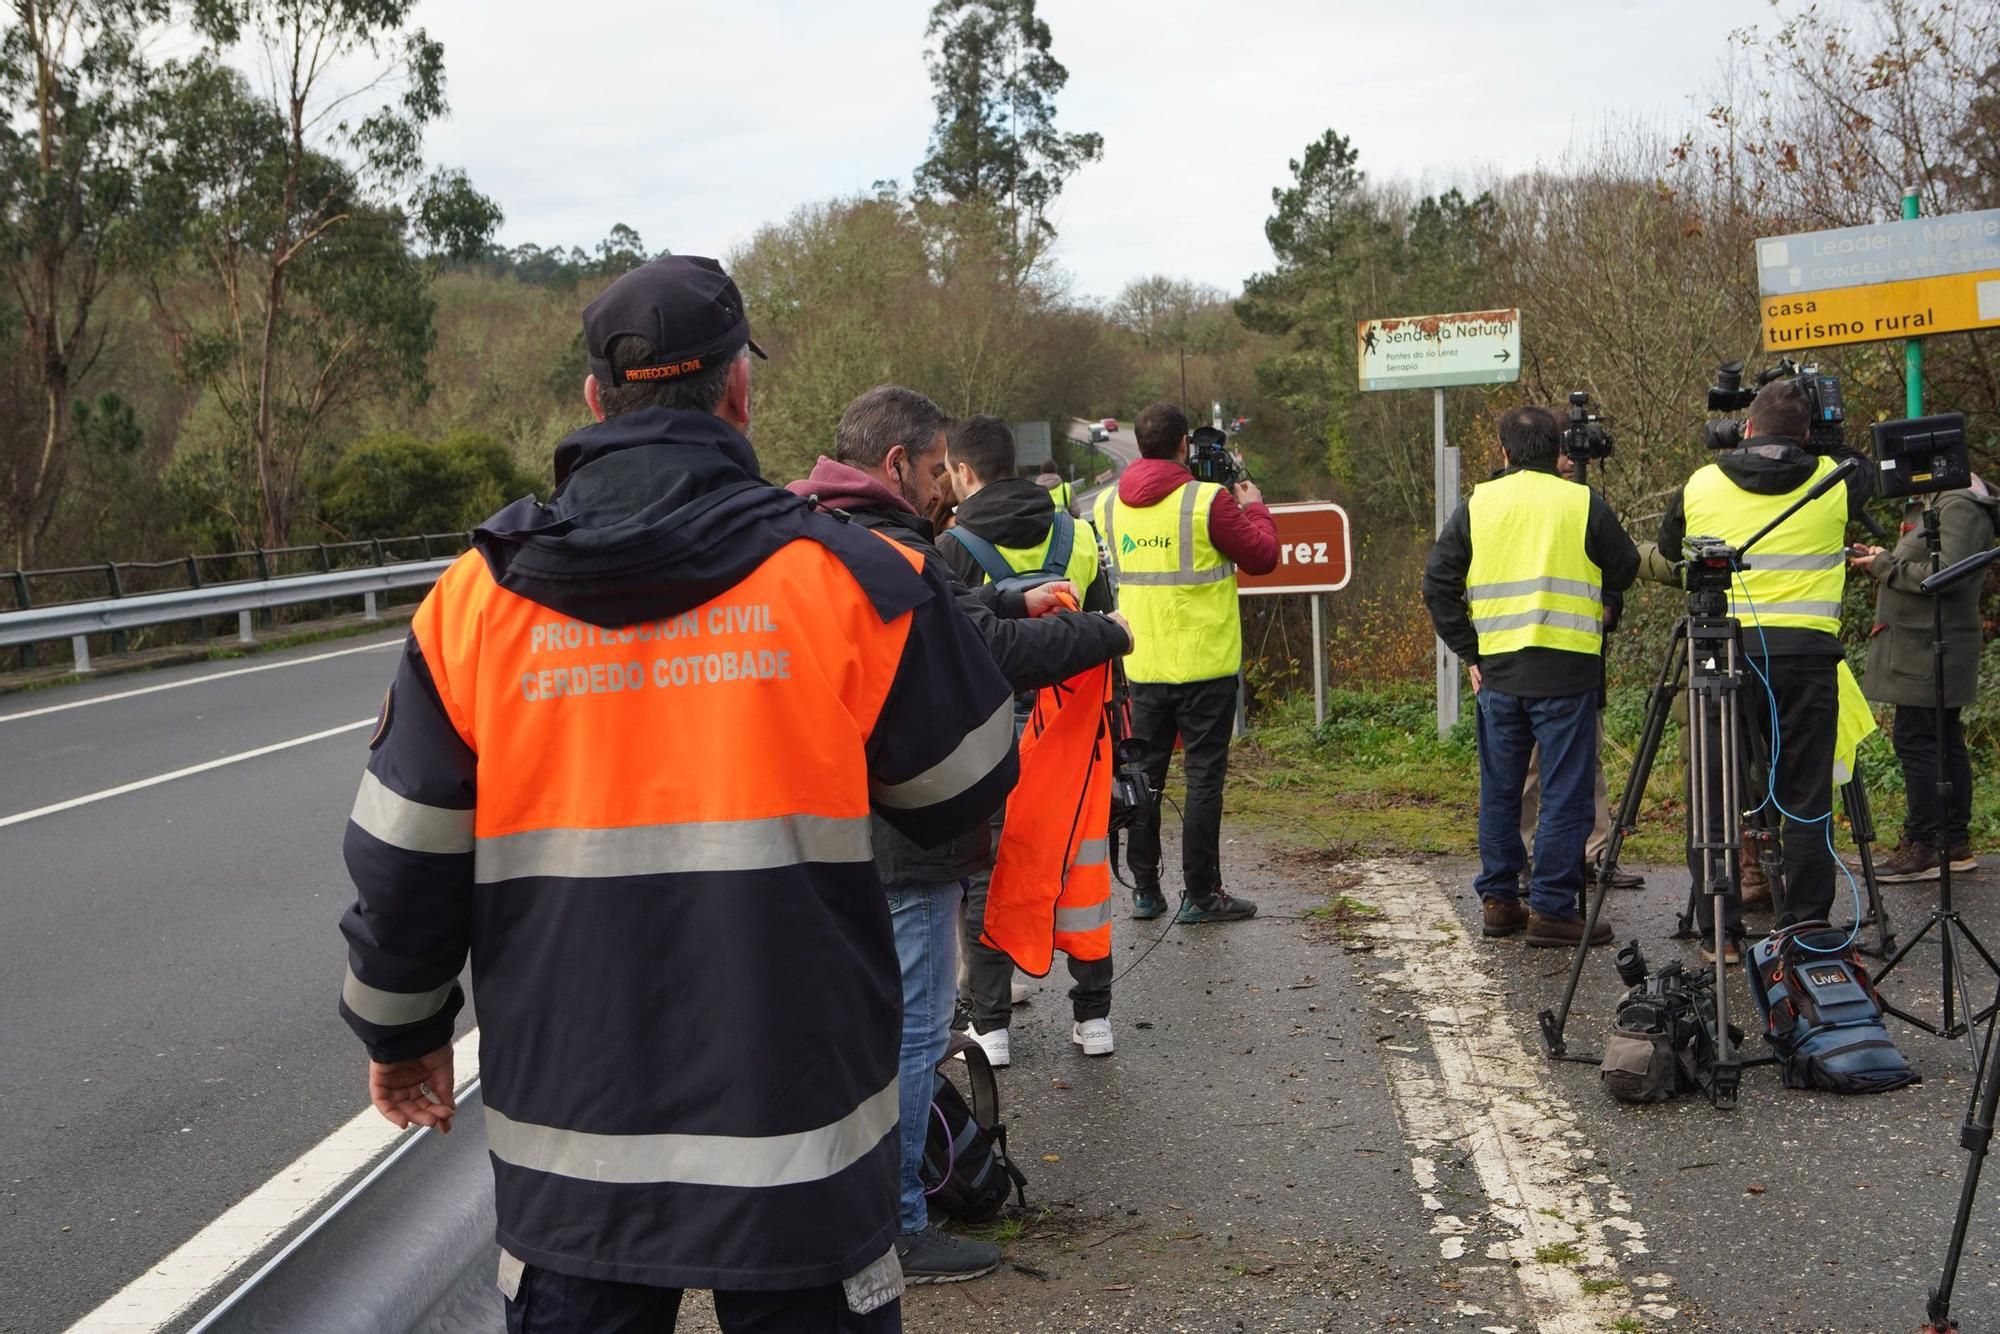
1314 554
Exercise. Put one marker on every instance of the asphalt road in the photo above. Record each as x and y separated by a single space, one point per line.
169 958
1336 1117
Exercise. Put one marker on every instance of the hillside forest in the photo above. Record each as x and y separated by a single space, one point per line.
238 312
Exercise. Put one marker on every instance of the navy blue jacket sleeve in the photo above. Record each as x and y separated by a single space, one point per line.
409 852
941 756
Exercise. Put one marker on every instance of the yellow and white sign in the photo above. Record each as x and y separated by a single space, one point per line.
1877 311
1433 351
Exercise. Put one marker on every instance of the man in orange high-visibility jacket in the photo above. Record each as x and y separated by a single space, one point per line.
629 765
1014 525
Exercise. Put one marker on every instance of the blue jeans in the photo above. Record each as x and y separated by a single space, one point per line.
925 918
1565 729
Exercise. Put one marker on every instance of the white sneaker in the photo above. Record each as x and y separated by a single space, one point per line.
1093 1035
999 1053
1022 987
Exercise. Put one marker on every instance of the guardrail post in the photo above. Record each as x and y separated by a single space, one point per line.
79 649
243 634
118 641
375 543
28 659
426 539
368 612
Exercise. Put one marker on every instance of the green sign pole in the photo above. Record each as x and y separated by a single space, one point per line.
1913 348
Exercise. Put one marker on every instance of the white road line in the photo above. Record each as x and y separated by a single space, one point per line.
153 1300
188 772
1488 1098
195 681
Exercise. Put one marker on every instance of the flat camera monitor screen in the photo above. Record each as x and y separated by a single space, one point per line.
1919 455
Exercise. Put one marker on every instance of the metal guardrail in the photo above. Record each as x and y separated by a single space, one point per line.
77 621
123 579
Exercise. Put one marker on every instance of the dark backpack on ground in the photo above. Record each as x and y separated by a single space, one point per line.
967 1174
1821 1014
1660 1044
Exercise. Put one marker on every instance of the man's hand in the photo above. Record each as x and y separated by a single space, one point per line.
1863 558
1472 670
1118 618
415 1092
1248 494
1045 598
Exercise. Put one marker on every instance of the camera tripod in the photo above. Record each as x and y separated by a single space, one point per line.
1706 658
1976 1135
1952 932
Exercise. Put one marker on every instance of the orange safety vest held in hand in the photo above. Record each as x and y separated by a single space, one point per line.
1051 887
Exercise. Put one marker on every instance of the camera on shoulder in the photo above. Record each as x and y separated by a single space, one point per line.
1209 458
1823 399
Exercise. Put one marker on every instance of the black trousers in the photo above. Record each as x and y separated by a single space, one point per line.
989 973
1808 703
552 1303
1916 739
1202 714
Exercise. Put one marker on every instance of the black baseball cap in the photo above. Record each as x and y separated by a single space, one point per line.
684 305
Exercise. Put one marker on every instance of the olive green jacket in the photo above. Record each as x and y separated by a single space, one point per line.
1899 645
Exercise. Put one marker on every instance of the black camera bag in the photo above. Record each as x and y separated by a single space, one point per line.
967 1173
1659 1045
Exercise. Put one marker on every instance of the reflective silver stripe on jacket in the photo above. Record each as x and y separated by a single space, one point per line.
1750 611
1567 620
1079 920
390 1008
744 1161
1514 588
715 845
976 756
1093 852
410 825
1831 560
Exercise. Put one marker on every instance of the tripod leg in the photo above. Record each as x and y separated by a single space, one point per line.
1555 1021
1855 795
1975 1135
1722 1091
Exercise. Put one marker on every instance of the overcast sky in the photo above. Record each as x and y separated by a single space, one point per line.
697 123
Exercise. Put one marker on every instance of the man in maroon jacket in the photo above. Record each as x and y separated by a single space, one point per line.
1175 545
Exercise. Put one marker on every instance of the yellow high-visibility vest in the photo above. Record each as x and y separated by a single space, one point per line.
1531 583
1794 577
1175 587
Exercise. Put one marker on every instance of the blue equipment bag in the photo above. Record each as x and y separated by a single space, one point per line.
1821 1014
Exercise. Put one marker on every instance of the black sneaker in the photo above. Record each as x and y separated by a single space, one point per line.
1219 907
933 1256
1147 903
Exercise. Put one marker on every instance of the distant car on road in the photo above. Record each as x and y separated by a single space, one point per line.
1098 435
1110 425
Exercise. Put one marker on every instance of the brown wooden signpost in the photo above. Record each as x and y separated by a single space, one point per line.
1315 556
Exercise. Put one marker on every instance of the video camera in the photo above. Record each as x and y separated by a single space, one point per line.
1823 398
1585 438
1209 458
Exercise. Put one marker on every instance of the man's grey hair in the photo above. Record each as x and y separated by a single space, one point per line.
887 415
700 392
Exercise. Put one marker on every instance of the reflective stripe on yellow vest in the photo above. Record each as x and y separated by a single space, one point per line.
1175 587
1531 583
1795 576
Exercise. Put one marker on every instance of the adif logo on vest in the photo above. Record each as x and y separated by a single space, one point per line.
1126 544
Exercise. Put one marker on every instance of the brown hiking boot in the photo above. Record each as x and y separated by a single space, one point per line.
1501 918
1732 951
1564 931
1754 886
1962 858
1912 860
